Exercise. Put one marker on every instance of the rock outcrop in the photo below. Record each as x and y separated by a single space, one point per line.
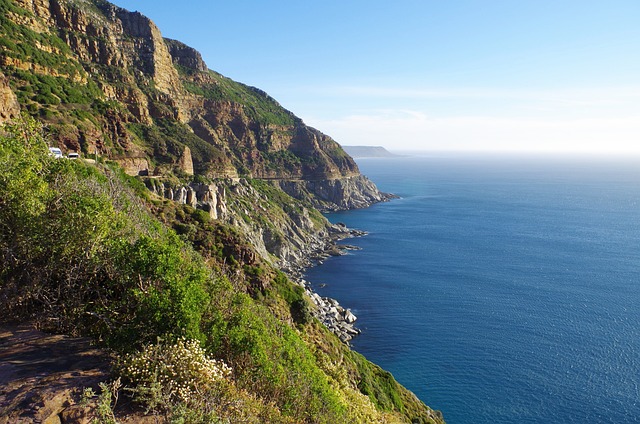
208 197
337 319
336 194
185 56
135 166
292 237
185 163
42 376
9 106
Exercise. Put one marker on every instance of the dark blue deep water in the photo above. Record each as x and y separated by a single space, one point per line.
500 289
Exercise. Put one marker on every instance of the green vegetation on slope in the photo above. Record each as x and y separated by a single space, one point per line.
258 104
166 139
83 255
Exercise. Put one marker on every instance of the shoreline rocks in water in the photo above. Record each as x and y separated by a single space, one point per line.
339 320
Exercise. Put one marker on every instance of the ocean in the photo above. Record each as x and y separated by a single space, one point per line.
500 289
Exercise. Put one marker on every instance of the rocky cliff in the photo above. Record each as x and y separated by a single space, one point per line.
108 83
9 107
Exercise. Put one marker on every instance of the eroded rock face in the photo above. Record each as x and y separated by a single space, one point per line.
117 38
9 106
135 166
150 53
293 237
336 194
185 163
124 53
186 56
230 129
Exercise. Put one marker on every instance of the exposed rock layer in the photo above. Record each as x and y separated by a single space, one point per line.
336 194
292 237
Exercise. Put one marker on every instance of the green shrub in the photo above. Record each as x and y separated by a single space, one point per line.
201 216
270 358
93 260
160 286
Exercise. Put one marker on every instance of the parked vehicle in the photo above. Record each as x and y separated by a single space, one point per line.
55 152
73 155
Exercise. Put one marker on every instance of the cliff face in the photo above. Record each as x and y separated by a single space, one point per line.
336 194
276 226
9 107
128 93
107 83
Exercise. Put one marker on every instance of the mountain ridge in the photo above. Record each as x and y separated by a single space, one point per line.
231 129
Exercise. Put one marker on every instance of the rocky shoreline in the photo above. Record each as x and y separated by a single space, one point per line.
309 248
337 319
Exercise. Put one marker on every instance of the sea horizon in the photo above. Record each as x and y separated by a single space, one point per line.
524 154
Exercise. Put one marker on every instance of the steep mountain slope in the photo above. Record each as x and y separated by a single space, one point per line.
108 83
230 186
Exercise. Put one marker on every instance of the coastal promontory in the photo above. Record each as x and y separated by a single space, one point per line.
368 152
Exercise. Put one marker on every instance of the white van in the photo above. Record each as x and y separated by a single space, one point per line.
55 152
73 155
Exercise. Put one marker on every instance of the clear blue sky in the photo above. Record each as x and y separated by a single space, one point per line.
561 75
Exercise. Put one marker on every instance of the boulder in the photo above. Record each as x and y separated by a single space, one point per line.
349 317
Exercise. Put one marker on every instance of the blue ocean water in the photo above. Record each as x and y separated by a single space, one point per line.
500 289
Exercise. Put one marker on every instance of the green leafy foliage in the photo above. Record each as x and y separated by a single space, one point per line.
163 285
270 358
165 142
22 166
83 256
50 90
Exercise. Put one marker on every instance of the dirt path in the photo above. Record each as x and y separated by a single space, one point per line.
42 376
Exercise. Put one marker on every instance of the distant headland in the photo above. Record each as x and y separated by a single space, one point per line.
368 152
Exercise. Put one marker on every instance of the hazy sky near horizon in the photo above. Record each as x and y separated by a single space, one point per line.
517 75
